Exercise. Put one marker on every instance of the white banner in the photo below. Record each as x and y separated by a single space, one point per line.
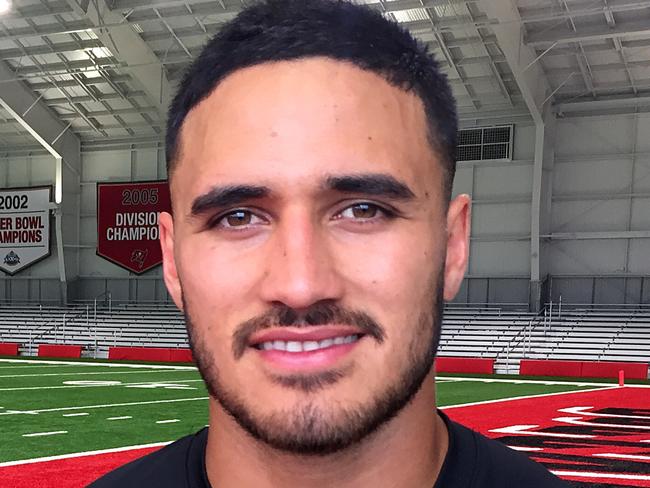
24 227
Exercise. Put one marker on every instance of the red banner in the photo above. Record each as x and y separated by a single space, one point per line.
127 223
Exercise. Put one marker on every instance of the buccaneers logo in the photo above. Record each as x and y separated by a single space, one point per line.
138 256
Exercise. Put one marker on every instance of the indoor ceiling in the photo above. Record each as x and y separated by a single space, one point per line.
107 68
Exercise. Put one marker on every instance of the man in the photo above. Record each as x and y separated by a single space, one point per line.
313 241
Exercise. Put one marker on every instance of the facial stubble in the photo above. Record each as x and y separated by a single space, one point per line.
310 429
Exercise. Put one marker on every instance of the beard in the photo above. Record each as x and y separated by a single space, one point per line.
311 428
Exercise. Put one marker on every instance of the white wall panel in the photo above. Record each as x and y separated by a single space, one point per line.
503 181
640 214
590 176
590 215
595 135
642 171
639 256
106 166
643 132
509 258
463 179
501 218
587 257
524 142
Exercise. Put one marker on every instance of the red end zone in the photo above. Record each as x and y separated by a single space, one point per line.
592 438
73 472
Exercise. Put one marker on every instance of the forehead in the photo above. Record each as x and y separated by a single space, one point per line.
290 122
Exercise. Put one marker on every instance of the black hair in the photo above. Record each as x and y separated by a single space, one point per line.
283 30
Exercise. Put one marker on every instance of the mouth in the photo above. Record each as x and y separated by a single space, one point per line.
299 350
306 346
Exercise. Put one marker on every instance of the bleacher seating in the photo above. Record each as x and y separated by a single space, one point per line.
507 336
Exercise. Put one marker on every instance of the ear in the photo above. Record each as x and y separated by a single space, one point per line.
458 229
170 273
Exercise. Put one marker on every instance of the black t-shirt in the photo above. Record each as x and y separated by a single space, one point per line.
472 461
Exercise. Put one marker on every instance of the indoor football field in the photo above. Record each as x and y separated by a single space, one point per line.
64 423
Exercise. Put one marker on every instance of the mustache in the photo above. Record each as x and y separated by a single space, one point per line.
322 313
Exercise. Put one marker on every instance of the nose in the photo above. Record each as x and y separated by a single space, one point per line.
300 269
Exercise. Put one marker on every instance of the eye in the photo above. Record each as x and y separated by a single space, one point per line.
363 211
237 219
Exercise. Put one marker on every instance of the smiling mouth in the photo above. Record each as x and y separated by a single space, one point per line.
306 346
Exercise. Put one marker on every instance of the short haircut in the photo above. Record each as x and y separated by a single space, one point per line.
285 30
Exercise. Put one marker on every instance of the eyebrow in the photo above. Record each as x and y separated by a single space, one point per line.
225 196
370 184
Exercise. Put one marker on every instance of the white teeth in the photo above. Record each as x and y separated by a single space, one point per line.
310 346
350 339
297 346
294 346
326 343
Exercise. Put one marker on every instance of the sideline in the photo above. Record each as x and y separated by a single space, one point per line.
63 409
537 382
88 363
81 454
524 397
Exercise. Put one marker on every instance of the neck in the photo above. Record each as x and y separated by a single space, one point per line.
408 451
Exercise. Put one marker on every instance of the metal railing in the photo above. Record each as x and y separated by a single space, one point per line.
64 320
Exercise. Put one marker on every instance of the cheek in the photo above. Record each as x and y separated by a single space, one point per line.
395 270
216 281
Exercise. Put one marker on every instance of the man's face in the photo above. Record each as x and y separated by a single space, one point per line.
310 249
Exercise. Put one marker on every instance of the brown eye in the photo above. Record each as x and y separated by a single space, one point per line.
364 211
238 219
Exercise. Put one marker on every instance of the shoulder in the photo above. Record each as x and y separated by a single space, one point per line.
486 462
172 466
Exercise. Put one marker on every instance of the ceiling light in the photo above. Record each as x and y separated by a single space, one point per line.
5 5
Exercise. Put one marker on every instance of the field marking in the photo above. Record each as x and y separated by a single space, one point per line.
93 385
585 412
42 434
523 397
536 382
579 421
120 418
63 409
7 464
633 457
84 373
32 367
75 414
88 363
616 476
170 421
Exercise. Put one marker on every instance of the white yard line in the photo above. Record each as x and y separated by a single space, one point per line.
170 421
93 385
632 457
88 363
85 407
82 414
613 476
536 382
524 397
42 434
125 417
85 373
32 367
80 454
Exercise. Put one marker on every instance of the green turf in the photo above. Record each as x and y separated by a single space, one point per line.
460 392
45 398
